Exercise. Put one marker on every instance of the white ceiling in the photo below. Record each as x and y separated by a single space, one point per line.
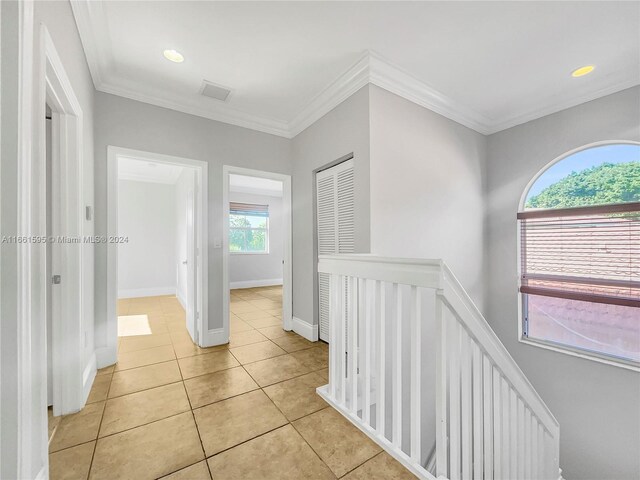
255 185
488 65
146 171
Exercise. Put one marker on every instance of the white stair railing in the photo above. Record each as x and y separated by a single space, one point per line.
416 367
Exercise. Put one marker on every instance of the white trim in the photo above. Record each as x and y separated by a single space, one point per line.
88 375
308 331
106 356
68 332
369 68
256 283
43 474
579 353
202 228
216 336
287 303
146 292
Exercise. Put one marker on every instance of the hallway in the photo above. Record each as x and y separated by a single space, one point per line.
249 408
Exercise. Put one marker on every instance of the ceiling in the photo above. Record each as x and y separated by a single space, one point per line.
146 171
487 65
255 185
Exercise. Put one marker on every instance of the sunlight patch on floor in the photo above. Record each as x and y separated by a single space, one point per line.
133 325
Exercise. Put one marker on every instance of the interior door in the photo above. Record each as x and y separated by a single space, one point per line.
191 264
335 226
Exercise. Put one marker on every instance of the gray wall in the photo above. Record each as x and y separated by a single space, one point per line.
245 269
343 130
597 405
130 124
427 188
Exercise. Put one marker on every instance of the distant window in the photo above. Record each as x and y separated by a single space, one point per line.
248 228
580 254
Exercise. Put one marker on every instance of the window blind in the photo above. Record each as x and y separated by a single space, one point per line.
586 253
237 208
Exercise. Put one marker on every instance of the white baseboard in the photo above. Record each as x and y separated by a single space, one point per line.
255 283
106 356
146 292
43 474
182 300
88 376
308 331
213 337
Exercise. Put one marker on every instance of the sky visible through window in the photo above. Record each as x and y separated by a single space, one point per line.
583 160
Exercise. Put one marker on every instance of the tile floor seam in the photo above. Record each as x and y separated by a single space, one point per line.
95 446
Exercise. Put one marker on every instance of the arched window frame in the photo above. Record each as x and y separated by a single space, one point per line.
566 349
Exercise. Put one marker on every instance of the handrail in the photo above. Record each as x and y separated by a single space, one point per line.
435 273
480 328
476 379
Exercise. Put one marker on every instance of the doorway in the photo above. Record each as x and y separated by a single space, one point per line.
156 252
257 245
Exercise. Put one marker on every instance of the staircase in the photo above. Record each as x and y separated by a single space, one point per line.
416 367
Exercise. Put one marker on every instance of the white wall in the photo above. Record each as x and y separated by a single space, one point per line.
139 126
343 130
427 188
147 217
58 18
253 270
597 405
183 185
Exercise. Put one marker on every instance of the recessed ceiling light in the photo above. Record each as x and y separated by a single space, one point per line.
173 56
582 71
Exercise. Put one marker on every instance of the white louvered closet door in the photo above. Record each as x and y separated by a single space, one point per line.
335 204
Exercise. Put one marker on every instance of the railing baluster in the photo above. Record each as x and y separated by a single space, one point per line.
381 380
368 323
465 394
334 326
520 437
513 434
397 368
498 419
534 450
527 445
478 399
489 423
353 344
416 363
442 369
453 357
506 417
344 312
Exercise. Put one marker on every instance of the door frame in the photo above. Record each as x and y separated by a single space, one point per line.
287 271
71 379
201 169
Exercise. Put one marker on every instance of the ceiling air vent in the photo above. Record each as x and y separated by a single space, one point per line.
212 90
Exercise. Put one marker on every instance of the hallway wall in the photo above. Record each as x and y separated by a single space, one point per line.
343 130
427 188
131 124
596 404
147 260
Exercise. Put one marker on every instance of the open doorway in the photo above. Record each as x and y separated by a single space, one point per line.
257 250
157 267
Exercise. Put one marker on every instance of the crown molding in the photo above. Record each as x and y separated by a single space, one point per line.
559 106
370 68
221 113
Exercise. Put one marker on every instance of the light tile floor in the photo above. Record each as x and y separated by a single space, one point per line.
247 410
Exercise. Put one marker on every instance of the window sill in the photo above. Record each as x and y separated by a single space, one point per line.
574 352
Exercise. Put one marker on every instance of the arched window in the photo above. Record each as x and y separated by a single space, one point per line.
580 255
